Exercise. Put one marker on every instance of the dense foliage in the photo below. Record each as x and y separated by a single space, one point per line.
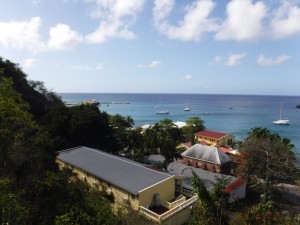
267 159
32 190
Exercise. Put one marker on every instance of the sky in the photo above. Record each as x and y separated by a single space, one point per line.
158 46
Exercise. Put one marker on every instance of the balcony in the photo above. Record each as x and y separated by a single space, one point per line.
167 209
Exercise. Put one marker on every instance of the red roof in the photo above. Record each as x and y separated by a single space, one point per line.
187 144
234 185
211 134
225 149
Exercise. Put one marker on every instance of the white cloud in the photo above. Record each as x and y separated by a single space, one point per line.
63 38
235 59
85 67
271 61
195 23
152 64
187 77
22 35
218 59
25 35
244 21
286 21
117 17
28 63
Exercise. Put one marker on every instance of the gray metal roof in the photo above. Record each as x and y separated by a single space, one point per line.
209 178
207 153
123 173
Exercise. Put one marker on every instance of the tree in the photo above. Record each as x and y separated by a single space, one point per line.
80 125
39 99
211 206
194 124
266 158
20 138
164 136
121 128
12 211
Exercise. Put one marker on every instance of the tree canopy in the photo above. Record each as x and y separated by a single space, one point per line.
267 158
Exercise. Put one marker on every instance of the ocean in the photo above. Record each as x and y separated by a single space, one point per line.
234 114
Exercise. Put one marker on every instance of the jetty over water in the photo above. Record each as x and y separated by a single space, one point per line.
101 103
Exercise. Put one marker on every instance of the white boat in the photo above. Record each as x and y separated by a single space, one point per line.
187 109
162 112
91 102
281 121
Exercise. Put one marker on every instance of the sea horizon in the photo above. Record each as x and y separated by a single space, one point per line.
175 93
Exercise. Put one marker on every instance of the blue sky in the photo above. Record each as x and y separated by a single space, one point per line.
158 46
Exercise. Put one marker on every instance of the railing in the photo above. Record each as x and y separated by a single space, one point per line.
159 218
170 205
184 191
178 208
150 214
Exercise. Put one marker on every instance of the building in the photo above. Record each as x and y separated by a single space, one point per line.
236 187
208 158
130 184
213 138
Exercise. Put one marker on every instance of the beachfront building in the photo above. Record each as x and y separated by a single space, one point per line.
236 187
130 184
213 138
208 158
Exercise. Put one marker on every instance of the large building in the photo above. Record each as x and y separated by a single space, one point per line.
130 184
213 138
208 158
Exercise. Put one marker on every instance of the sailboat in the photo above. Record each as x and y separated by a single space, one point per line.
281 121
161 111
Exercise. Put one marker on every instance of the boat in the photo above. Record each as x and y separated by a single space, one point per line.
187 109
162 112
91 102
281 121
298 106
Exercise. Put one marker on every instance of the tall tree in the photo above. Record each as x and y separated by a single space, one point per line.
164 136
267 157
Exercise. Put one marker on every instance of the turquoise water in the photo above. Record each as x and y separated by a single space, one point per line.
234 114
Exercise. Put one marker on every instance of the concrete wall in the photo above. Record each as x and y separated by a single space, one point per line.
238 193
166 190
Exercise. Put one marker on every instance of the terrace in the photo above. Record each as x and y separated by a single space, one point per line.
166 209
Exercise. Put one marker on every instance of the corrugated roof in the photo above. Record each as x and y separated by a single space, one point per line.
211 134
123 173
209 178
206 153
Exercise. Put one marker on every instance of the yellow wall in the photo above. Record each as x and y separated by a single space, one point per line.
166 190
122 198
217 142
